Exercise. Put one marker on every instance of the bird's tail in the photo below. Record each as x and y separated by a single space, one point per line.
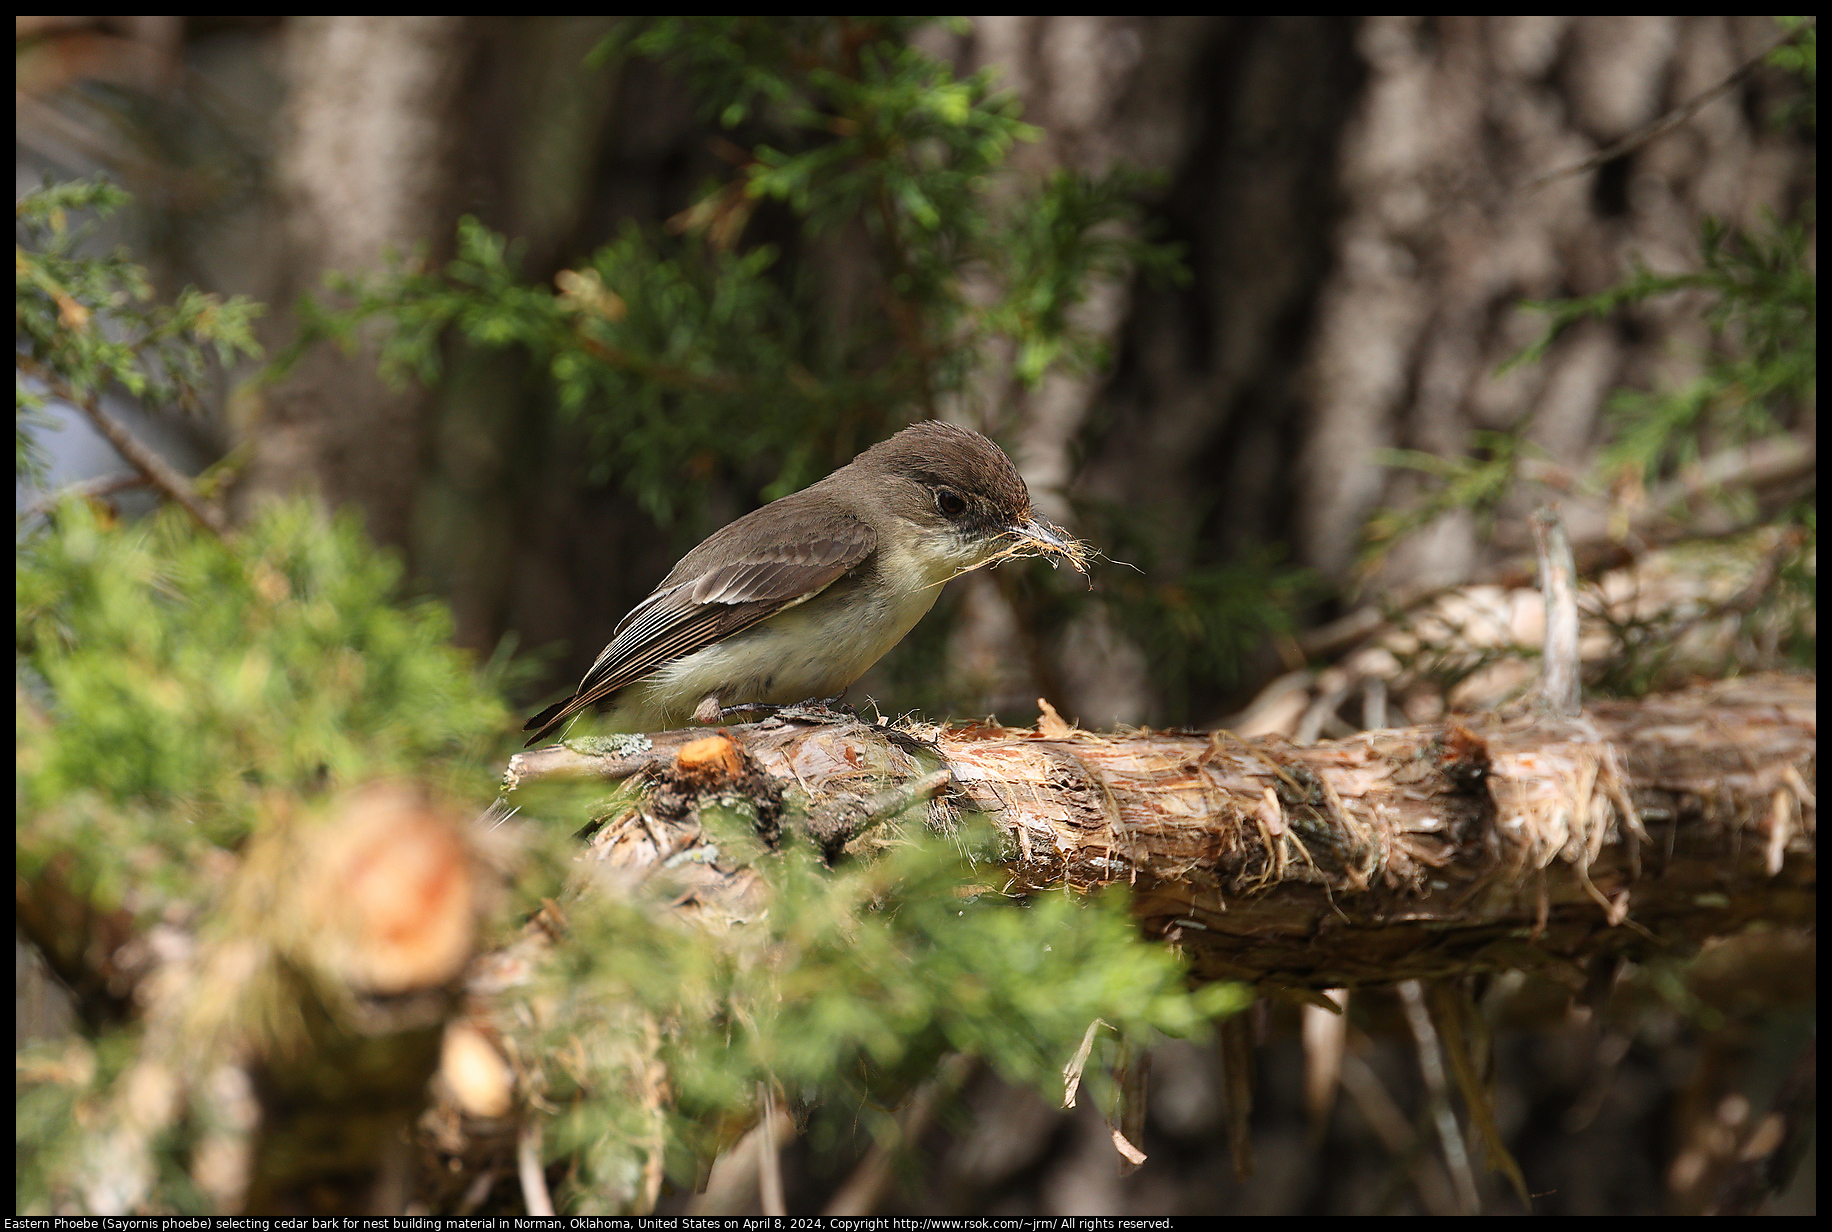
544 723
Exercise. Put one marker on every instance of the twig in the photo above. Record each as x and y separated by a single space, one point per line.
1134 1074
1674 118
157 470
1671 511
1325 1036
1373 704
1237 1074
1396 1134
769 1162
1764 465
1311 725
1751 594
528 1167
649 370
1071 1073
1560 688
88 489
1431 1066
734 1186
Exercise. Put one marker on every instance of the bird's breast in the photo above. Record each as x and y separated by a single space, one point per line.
815 649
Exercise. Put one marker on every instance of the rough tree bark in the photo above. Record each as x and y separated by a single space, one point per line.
1452 218
1473 845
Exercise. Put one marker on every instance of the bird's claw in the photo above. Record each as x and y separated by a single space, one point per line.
814 709
820 710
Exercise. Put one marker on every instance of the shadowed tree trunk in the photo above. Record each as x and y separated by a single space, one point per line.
1360 206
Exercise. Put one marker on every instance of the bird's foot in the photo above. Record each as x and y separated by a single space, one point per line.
720 714
814 709
820 710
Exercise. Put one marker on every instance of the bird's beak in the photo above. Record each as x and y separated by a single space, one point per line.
1049 539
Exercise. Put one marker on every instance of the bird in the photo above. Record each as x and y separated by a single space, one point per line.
796 600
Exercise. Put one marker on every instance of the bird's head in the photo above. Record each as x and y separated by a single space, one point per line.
963 497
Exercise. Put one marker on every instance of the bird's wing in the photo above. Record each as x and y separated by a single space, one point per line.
703 608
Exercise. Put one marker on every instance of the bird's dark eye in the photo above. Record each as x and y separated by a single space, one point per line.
950 502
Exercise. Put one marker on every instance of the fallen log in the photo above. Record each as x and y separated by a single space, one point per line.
1484 843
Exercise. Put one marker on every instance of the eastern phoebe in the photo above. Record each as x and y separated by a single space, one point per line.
796 600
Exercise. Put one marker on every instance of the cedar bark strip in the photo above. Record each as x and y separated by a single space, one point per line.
1484 843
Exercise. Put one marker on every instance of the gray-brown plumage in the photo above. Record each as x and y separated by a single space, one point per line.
797 599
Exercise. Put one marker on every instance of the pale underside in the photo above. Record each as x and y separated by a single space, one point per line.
813 649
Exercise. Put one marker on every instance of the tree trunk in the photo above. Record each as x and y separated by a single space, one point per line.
365 171
1360 206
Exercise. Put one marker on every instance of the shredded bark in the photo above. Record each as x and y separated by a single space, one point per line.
1482 843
